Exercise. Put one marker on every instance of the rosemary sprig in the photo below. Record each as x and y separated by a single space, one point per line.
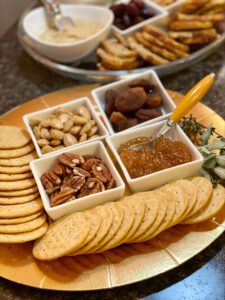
213 166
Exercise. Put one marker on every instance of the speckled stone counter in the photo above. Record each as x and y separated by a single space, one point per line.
201 278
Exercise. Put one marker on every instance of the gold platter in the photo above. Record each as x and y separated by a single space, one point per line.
124 265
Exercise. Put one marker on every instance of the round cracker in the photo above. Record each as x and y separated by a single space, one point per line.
151 211
21 210
17 152
215 204
106 221
191 194
20 220
95 225
118 214
139 211
12 137
17 185
14 177
24 237
24 227
149 233
14 170
120 236
25 192
63 237
18 161
18 200
170 206
181 198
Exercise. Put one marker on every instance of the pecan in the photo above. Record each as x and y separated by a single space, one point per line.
55 178
48 181
101 172
59 170
68 170
62 196
70 159
111 184
91 186
74 182
81 172
89 163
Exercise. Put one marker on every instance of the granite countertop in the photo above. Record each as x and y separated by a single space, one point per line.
202 277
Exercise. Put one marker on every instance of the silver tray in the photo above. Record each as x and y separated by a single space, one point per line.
85 70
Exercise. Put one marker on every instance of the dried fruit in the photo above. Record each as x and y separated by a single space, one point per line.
110 97
153 99
148 114
131 100
141 83
128 14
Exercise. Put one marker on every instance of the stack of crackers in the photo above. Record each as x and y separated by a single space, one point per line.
133 219
196 23
22 216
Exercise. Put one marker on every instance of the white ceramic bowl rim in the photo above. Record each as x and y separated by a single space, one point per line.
91 7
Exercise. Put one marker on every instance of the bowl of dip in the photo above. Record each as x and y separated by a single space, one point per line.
92 25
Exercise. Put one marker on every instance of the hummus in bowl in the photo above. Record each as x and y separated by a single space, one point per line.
92 26
82 29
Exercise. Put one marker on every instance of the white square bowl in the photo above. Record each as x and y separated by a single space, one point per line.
156 179
158 10
44 164
71 105
167 105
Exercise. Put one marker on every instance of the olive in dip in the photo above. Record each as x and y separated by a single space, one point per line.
164 154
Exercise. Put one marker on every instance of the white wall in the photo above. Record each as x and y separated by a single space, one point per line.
10 10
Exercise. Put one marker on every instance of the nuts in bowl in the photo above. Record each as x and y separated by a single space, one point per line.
76 179
64 126
75 176
131 103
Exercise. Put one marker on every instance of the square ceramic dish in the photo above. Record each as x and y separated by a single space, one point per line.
41 165
160 178
71 105
167 105
158 10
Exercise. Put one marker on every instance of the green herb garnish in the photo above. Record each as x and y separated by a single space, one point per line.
213 166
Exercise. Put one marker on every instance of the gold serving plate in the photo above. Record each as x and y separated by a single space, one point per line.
121 266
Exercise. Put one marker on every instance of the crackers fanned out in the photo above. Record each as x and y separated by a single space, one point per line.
136 218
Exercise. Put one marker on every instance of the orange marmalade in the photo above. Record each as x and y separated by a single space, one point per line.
163 154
